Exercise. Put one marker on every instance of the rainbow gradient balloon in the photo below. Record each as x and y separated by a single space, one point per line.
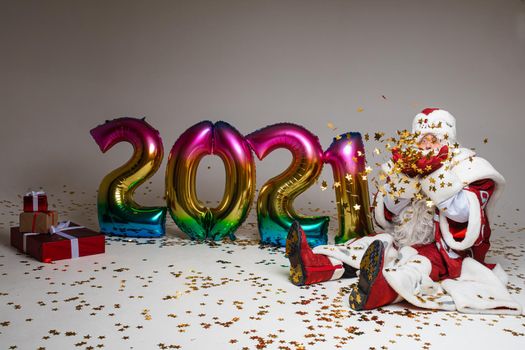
118 213
275 211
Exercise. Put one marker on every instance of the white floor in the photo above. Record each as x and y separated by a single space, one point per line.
172 293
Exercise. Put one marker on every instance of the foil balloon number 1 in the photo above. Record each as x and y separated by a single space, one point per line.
346 156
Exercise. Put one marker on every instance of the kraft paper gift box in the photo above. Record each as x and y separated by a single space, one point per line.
38 222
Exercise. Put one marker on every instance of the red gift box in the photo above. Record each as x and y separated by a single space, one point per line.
67 241
35 201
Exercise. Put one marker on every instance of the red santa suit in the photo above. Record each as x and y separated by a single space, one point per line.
435 257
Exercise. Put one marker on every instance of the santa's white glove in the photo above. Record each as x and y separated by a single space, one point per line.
399 184
442 184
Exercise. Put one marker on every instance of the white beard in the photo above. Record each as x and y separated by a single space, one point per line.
414 225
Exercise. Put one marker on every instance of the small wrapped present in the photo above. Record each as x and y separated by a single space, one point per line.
66 240
38 221
35 201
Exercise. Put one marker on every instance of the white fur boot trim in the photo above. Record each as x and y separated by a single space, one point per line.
339 271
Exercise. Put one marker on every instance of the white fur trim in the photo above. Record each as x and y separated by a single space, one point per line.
442 184
473 226
341 254
410 185
339 271
463 169
406 253
470 169
430 123
379 213
352 251
479 290
501 274
459 154
409 277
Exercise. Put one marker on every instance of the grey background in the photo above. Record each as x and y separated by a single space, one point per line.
66 66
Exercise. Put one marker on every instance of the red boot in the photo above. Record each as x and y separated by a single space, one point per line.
372 290
306 267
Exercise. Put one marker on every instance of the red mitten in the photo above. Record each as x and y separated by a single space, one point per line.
430 163
413 163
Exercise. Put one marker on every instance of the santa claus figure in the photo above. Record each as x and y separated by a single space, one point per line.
434 210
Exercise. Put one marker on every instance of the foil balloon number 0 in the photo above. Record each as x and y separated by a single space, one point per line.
119 214
192 217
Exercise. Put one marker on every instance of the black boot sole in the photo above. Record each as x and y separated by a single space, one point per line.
370 267
293 252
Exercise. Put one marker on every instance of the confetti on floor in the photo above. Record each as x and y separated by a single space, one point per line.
172 293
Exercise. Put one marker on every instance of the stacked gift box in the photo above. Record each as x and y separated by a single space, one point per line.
44 238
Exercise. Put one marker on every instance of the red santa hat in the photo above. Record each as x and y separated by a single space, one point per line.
435 121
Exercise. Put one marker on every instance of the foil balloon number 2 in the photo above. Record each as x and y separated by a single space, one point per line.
119 214
275 211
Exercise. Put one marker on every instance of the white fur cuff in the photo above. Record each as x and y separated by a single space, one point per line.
400 185
441 185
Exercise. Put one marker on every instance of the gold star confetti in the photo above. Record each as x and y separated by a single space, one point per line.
111 295
378 135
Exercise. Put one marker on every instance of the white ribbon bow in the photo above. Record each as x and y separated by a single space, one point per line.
35 195
59 230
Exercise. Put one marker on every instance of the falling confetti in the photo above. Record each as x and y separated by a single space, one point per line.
378 135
